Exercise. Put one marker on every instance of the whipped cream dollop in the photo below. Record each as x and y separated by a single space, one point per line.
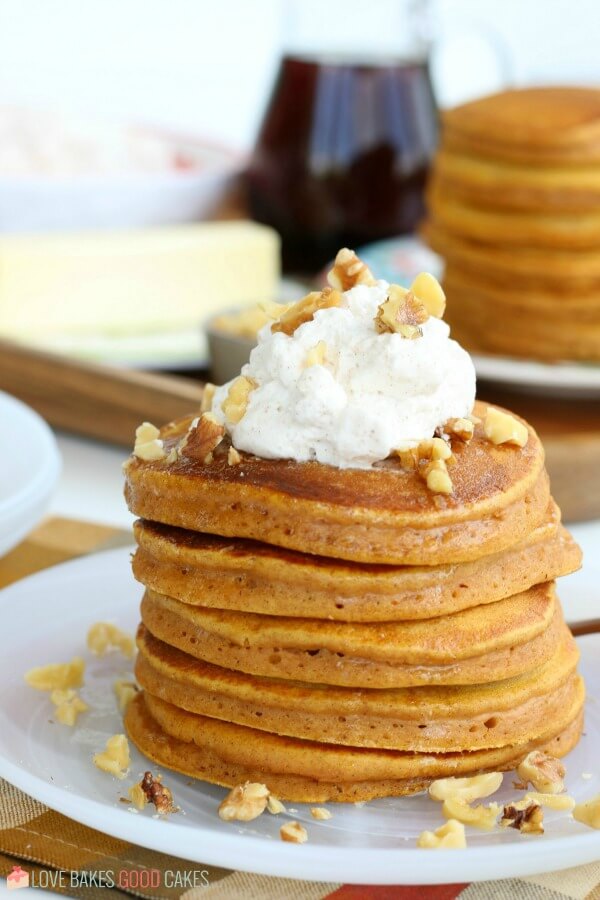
372 394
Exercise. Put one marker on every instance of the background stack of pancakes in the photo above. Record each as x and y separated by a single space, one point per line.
346 634
514 209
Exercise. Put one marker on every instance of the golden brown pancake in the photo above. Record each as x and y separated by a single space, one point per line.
513 228
501 185
563 271
541 126
382 515
474 646
228 754
230 573
425 719
527 330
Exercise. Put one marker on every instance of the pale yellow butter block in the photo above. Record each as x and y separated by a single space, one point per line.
134 282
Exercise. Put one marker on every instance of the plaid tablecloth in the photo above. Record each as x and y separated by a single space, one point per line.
59 854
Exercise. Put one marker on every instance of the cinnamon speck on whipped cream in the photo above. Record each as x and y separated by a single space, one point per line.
339 391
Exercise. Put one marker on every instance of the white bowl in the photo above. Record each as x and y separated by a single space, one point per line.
41 203
29 469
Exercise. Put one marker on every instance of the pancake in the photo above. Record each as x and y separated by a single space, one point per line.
437 719
474 646
564 272
528 331
305 771
382 515
502 185
564 307
230 573
541 126
505 227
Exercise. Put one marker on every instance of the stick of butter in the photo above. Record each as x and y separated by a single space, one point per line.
122 283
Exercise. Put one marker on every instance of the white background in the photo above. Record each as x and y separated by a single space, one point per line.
205 65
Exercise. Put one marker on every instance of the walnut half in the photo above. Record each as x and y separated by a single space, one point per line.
401 313
244 802
544 772
203 436
348 271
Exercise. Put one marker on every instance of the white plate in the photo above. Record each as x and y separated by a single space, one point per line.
400 259
29 470
49 614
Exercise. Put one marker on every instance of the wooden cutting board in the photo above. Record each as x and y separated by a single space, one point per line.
108 404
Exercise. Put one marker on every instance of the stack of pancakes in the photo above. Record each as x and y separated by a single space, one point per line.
346 634
514 209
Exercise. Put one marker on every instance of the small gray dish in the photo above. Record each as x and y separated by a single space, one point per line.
228 352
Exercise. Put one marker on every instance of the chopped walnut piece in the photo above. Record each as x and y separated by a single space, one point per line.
552 801
293 833
273 310
208 393
115 758
544 772
408 456
244 802
502 428
68 705
137 796
401 313
156 793
525 816
432 448
104 636
588 813
316 355
478 816
57 676
274 805
203 436
319 812
437 478
348 271
305 309
450 836
429 291
235 403
148 445
468 789
233 457
463 429
437 448
125 692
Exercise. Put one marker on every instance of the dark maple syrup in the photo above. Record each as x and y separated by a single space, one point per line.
342 154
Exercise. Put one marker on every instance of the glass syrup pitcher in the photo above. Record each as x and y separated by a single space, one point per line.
344 148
